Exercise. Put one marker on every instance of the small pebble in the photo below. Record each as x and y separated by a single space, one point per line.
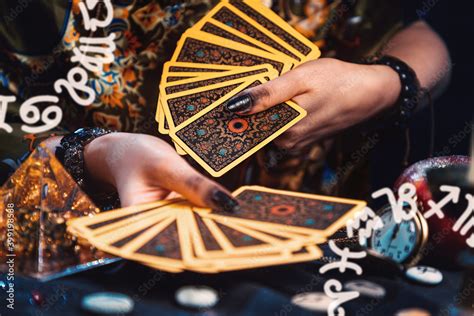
424 275
412 312
196 297
107 303
313 301
366 288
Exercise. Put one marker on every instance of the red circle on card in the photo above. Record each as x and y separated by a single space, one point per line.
238 125
282 210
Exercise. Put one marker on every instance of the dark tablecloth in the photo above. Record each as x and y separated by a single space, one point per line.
266 291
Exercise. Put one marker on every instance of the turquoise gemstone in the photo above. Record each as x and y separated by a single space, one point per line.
328 207
200 53
201 132
247 238
223 152
160 248
309 222
258 198
275 117
190 107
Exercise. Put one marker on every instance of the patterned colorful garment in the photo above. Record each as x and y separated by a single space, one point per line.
146 33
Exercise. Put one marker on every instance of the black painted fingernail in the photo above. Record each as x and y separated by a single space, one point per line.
224 201
240 104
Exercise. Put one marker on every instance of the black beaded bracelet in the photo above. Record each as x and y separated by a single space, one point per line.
411 92
71 151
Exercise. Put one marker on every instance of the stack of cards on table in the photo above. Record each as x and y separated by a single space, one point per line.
272 227
239 44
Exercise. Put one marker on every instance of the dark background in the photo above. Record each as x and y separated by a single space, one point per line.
453 20
259 292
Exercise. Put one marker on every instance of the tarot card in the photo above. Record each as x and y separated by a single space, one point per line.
87 226
229 15
215 78
155 245
220 29
219 140
300 212
277 26
220 239
252 252
308 253
204 48
172 67
182 106
163 126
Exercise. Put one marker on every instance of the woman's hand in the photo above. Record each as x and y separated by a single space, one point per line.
335 94
144 169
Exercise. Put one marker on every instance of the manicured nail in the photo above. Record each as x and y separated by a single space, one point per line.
240 104
224 201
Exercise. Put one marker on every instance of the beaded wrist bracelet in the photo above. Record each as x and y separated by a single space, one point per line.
71 151
411 92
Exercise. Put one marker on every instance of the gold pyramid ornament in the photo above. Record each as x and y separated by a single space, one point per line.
35 203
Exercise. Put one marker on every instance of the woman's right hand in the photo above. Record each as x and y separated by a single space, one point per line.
144 169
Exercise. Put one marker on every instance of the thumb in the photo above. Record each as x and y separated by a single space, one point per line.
269 94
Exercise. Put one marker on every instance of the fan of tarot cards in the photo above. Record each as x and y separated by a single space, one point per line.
272 227
237 45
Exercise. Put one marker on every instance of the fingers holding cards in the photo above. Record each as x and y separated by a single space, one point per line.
236 44
219 140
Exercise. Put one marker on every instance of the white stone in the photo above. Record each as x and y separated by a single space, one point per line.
366 288
197 296
425 275
107 303
314 301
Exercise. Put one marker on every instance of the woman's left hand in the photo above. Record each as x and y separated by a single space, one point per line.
336 95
